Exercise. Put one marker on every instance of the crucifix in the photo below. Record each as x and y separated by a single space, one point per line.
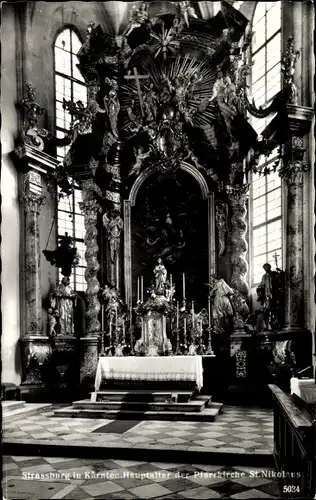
275 256
137 79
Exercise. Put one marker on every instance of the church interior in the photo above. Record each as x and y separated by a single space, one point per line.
158 250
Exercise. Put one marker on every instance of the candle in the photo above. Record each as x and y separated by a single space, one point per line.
185 325
102 318
137 290
192 314
123 328
183 285
116 318
201 326
110 331
177 315
142 288
209 312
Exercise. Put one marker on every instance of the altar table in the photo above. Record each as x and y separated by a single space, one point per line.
169 368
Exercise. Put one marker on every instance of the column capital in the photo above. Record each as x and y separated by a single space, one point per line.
32 202
238 194
90 208
292 173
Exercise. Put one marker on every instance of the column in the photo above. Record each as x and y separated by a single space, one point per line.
238 196
35 347
292 173
89 343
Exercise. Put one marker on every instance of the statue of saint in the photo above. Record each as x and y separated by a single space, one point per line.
62 303
222 308
114 226
160 273
265 297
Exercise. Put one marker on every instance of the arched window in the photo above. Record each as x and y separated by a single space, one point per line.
266 190
265 56
69 85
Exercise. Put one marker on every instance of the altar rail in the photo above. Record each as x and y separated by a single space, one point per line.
294 445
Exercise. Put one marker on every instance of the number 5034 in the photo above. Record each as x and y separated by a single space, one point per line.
291 489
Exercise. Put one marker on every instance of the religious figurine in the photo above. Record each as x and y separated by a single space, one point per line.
138 17
114 226
288 61
222 308
140 155
221 223
52 318
65 256
112 106
113 301
62 302
187 11
264 293
160 273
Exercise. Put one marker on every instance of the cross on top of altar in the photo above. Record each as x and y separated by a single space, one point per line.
138 79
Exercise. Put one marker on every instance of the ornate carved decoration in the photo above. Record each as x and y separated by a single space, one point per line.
294 166
32 202
221 214
288 61
90 209
36 358
241 364
238 196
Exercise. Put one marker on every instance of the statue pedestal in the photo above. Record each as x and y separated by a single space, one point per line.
153 341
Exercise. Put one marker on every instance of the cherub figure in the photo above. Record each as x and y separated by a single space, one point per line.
138 17
140 155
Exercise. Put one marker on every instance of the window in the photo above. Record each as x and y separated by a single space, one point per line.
266 196
69 85
266 57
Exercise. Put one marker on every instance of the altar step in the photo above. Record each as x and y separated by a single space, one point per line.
143 395
127 407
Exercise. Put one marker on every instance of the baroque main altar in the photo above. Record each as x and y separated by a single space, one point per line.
161 153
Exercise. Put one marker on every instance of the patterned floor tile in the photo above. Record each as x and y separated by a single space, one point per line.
101 488
150 491
254 493
200 493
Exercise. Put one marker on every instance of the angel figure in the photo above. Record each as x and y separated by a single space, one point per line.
187 11
114 226
138 17
140 155
112 105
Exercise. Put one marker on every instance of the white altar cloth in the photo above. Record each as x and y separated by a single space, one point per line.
304 388
184 368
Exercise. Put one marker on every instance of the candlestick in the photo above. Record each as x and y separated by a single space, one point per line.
192 314
137 290
142 288
102 318
123 333
183 285
177 315
116 320
209 312
185 330
130 317
110 331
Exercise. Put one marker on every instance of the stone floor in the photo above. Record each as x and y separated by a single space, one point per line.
236 430
35 478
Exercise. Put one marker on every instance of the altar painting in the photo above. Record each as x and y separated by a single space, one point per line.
169 221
